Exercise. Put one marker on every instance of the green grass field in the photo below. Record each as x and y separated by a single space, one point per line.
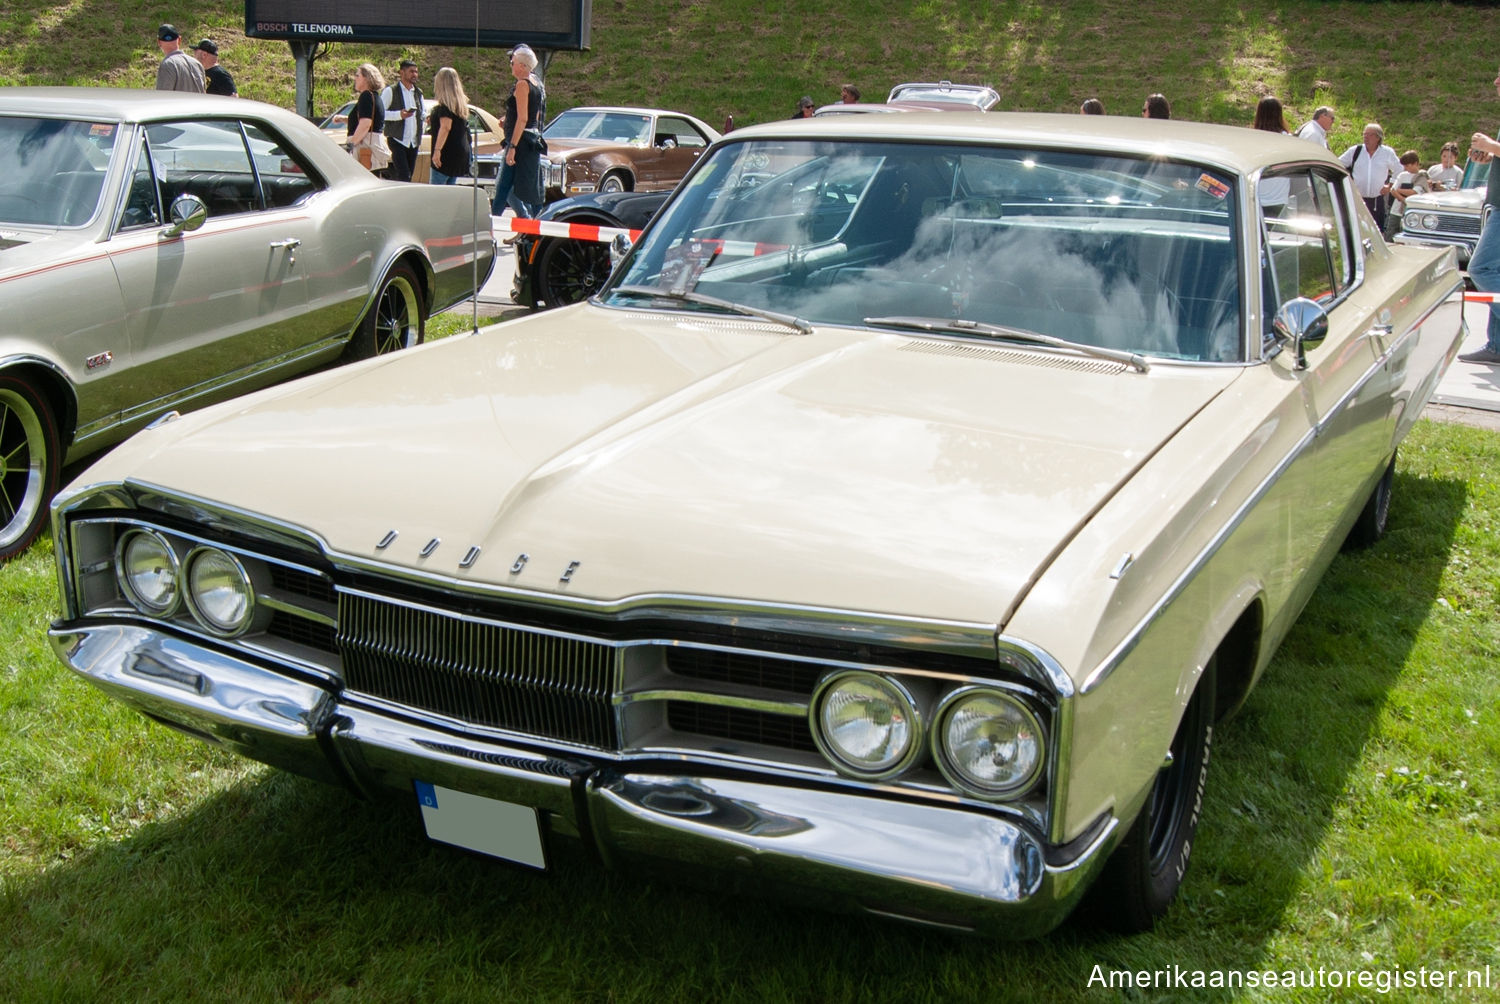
1352 821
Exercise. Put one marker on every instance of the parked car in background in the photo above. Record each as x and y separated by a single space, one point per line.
554 271
981 96
877 108
890 530
615 149
162 251
1448 219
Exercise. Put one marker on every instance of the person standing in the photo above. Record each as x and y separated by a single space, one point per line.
1409 182
849 94
1316 128
1446 176
218 78
1373 165
1091 106
1156 107
178 71
520 182
366 123
1484 263
804 107
403 121
449 128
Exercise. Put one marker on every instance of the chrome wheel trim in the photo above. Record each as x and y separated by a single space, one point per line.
23 466
397 316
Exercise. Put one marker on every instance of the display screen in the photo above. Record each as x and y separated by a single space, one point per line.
553 24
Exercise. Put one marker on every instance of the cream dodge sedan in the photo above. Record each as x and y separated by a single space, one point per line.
162 251
891 529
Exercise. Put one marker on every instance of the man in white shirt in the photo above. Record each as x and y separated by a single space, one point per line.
1373 165
403 122
1316 128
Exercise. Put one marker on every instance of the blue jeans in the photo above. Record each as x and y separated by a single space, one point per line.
1484 270
439 178
506 196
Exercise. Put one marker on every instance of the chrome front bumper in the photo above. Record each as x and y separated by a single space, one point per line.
833 849
1465 245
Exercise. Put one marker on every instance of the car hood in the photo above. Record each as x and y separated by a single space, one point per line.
21 249
1465 199
609 454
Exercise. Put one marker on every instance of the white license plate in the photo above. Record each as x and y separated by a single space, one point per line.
487 825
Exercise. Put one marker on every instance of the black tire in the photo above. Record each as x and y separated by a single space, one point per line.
396 320
568 271
30 459
1370 526
1142 877
614 181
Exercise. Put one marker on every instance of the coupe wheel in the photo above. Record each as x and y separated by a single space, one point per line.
1370 526
1144 873
568 271
614 181
30 451
396 320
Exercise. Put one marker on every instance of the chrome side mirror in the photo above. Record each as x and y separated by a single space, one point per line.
187 213
619 247
1303 324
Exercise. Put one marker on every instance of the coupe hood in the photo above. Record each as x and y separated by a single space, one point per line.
607 454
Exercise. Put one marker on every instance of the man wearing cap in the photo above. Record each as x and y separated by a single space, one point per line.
219 80
403 122
178 71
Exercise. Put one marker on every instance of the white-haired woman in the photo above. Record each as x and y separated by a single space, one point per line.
367 121
520 182
449 128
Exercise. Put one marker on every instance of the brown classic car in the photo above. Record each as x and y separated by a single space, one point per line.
614 149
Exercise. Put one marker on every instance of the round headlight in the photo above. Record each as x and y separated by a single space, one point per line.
1427 221
866 724
218 590
989 743
146 567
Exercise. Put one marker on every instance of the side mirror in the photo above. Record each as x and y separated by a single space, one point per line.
1303 324
187 212
619 247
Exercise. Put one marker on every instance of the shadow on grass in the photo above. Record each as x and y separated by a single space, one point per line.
283 888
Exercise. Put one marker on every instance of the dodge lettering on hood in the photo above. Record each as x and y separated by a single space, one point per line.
891 530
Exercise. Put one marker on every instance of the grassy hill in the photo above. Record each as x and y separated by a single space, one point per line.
1407 65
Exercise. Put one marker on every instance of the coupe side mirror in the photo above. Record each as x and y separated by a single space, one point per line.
187 213
1302 324
619 247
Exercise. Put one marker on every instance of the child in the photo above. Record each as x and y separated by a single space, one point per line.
1447 176
1411 180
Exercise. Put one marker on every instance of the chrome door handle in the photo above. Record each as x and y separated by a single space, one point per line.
290 245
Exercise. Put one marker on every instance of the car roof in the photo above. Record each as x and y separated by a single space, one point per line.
120 104
1236 148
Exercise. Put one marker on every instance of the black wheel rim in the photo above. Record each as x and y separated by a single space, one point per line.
575 271
23 470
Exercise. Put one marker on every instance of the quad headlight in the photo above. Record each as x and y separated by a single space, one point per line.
146 568
866 724
1425 221
988 742
219 592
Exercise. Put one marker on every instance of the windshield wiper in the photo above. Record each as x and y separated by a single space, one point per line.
961 326
703 299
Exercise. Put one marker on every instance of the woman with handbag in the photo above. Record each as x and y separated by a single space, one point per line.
367 121
520 182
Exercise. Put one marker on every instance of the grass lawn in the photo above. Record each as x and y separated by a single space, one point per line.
1352 823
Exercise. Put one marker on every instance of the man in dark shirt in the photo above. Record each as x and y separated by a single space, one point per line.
1484 263
219 80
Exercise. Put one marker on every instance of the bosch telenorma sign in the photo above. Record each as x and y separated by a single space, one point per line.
552 24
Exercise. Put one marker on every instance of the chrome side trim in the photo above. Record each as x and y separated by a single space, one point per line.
795 709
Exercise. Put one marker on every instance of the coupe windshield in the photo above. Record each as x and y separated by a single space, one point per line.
1128 254
52 171
610 127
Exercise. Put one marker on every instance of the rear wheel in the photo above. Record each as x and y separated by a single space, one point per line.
570 270
1371 524
30 452
1144 873
396 320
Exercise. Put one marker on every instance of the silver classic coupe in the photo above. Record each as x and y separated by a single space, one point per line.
161 251
892 528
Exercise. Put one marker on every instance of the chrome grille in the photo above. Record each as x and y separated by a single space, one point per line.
1456 223
479 672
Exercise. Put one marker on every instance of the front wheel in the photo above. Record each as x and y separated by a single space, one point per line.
614 181
570 270
30 452
396 320
1144 873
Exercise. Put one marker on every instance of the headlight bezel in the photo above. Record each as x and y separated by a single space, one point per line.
963 781
901 695
130 591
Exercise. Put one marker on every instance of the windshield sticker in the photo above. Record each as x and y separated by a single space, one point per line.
684 263
1213 186
101 129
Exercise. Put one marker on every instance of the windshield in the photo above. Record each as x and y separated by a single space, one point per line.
612 127
52 171
1130 254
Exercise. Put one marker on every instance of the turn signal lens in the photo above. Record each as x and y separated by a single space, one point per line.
989 743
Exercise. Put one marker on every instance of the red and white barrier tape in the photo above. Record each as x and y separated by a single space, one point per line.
552 228
1480 297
